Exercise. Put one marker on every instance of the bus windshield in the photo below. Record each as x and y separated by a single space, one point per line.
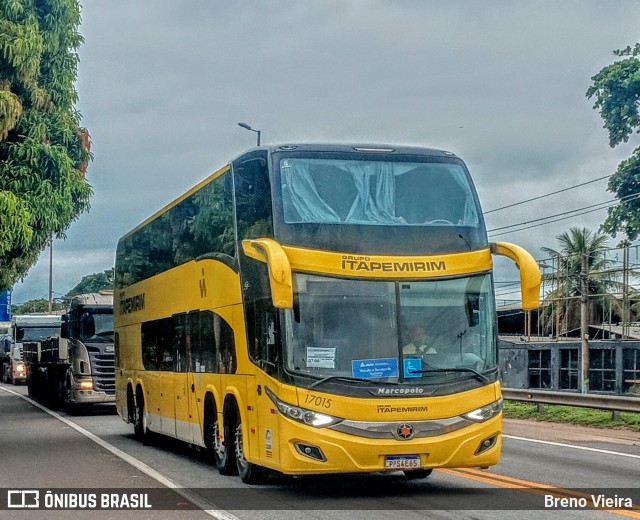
391 330
368 192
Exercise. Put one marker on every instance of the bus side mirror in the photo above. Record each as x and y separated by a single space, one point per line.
530 277
269 251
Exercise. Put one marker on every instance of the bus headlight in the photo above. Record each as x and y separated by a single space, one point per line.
302 415
485 413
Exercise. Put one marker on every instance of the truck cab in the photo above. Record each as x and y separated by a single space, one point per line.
32 330
88 329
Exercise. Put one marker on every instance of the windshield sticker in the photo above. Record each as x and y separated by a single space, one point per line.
319 357
374 368
412 367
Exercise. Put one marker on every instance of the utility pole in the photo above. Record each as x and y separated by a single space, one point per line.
625 293
584 328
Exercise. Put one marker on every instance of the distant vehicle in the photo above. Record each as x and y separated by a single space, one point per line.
5 344
30 329
76 366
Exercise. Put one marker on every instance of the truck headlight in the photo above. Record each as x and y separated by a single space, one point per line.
86 385
302 415
485 413
20 367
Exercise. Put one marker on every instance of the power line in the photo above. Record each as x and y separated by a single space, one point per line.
563 216
546 195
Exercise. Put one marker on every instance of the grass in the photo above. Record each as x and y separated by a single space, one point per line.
572 414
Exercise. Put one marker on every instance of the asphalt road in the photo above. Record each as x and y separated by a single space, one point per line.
96 453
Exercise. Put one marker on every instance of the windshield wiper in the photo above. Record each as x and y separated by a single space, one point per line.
480 376
348 379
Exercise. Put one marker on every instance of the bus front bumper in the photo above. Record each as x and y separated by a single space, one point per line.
305 450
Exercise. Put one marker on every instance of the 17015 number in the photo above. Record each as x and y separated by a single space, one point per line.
318 400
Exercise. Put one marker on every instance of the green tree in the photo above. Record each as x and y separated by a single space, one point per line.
39 305
93 283
43 150
616 89
563 302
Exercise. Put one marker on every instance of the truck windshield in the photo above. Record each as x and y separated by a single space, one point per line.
376 192
36 333
391 331
96 327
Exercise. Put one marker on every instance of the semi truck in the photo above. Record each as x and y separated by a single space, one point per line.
30 329
76 367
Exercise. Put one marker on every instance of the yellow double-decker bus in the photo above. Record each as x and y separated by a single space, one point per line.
317 309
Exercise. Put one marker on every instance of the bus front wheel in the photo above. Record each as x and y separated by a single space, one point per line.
417 473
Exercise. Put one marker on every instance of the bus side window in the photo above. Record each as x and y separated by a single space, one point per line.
262 333
158 347
225 346
148 339
207 344
179 342
268 353
253 198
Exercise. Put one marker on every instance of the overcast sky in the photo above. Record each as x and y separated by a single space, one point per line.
163 84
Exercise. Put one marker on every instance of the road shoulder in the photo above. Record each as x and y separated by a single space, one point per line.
569 433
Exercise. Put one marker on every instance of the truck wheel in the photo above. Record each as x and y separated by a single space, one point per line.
61 393
69 405
249 473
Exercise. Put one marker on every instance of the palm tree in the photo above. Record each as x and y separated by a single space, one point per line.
562 304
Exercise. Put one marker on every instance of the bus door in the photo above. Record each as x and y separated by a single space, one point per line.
265 339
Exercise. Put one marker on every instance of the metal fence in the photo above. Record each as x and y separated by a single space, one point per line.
614 403
614 366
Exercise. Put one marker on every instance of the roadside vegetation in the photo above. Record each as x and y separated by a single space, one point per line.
571 414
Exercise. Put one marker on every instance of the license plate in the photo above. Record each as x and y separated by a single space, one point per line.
402 461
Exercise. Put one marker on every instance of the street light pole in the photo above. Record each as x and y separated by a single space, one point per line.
247 127
50 273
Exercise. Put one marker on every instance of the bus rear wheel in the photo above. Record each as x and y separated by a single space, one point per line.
249 473
219 452
140 428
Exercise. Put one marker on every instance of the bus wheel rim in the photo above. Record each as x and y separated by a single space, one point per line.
242 462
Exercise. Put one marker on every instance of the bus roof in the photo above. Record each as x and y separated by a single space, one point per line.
351 148
302 147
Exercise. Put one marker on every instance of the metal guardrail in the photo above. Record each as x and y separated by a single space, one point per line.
602 402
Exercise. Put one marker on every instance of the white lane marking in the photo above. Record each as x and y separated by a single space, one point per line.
219 514
563 445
